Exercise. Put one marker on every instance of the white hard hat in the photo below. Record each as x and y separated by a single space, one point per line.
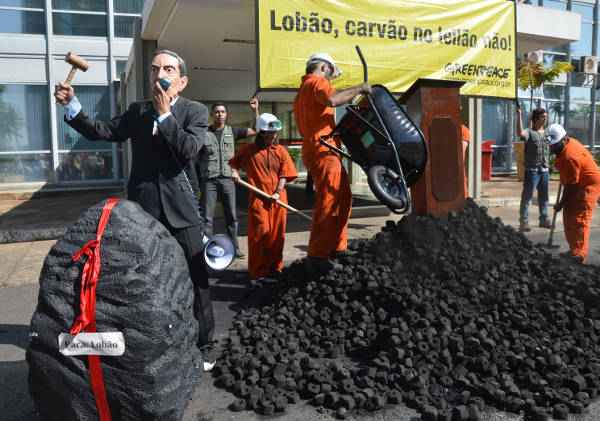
327 59
555 133
268 123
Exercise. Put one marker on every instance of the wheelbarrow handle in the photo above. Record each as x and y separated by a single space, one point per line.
364 64
334 148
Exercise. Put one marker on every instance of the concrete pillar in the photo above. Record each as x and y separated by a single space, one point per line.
510 133
568 85
148 48
111 81
471 149
477 134
593 113
142 57
52 79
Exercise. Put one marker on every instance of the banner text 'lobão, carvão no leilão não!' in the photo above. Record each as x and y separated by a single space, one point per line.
462 40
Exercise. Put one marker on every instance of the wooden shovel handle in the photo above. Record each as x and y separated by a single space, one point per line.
268 196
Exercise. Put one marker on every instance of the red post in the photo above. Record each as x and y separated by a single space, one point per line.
486 160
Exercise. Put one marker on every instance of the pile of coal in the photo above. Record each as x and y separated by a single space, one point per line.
446 316
145 292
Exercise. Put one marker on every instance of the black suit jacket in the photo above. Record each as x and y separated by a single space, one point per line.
163 179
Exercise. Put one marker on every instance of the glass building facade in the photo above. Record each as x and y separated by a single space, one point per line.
36 146
569 100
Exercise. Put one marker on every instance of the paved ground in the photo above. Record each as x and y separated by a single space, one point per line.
20 265
43 216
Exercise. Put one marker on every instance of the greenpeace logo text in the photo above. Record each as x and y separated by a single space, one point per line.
477 70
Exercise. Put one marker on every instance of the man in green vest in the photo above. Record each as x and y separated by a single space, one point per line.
214 171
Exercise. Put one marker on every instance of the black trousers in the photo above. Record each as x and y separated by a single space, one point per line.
222 189
190 239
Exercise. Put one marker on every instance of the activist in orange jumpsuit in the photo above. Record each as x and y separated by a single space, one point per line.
314 112
580 177
268 167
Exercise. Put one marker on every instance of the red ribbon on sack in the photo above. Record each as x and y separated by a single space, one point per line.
86 320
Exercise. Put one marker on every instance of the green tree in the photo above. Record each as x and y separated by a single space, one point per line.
534 75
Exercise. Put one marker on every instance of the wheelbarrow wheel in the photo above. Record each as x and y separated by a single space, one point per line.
387 187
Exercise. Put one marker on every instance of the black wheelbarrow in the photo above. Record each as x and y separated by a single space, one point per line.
380 137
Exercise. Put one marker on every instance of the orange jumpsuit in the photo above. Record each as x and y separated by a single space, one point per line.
577 167
333 197
264 166
466 137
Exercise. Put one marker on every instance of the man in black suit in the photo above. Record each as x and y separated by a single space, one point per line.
166 135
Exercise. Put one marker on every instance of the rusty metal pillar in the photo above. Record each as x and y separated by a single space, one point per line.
434 106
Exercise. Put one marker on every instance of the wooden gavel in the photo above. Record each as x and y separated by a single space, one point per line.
77 63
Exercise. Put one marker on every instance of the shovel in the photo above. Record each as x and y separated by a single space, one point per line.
268 196
551 236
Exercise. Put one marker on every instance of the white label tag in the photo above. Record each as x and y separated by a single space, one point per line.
87 343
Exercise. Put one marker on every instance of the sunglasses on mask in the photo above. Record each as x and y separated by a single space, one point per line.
274 125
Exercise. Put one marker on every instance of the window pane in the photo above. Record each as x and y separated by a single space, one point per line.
295 152
124 26
129 6
75 24
563 48
579 122
585 10
34 4
96 104
550 58
121 158
120 67
596 140
85 5
555 4
79 166
554 91
556 112
22 22
580 93
20 168
24 118
502 158
583 47
495 115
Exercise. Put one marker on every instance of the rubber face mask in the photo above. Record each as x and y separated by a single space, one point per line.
164 84
331 74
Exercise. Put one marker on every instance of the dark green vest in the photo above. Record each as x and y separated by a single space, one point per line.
214 161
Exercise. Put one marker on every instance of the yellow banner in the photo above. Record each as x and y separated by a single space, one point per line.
402 40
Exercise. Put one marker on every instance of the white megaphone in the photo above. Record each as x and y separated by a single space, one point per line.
219 251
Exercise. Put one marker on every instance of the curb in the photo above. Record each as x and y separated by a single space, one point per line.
27 235
369 211
496 203
54 232
40 194
511 201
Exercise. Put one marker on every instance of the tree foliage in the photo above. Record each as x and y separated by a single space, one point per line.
534 75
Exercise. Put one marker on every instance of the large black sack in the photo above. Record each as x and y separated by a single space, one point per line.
144 291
